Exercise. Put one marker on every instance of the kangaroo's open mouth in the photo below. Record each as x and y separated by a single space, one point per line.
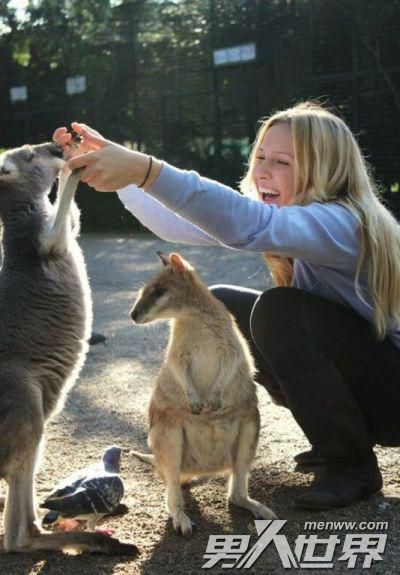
56 150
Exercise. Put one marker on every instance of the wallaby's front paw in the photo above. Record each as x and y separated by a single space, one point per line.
213 413
214 403
196 406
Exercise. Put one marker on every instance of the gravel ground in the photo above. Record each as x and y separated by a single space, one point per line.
108 405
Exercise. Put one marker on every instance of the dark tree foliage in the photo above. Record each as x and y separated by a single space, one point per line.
152 83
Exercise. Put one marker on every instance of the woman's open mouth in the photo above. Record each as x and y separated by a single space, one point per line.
268 196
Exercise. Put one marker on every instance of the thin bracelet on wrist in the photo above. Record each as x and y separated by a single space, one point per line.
148 172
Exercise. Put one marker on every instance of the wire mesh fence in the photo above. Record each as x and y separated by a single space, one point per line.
188 81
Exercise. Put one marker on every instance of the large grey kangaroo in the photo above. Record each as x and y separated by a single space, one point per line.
45 310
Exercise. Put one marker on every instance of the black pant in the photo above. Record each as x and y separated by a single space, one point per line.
293 333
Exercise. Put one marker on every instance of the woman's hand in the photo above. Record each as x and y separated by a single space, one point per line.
93 140
107 165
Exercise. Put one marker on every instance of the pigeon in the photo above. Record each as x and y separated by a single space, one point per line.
88 494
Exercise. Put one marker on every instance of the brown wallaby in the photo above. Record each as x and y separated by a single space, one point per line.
45 310
203 411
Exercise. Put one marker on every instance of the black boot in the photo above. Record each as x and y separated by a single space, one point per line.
330 417
312 457
341 485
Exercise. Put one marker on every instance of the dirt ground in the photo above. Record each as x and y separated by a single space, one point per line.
108 405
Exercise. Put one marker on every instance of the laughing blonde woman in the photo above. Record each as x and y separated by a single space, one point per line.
326 339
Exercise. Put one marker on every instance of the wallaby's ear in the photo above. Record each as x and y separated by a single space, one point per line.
179 265
164 258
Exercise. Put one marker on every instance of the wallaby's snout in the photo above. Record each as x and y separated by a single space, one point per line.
134 313
149 303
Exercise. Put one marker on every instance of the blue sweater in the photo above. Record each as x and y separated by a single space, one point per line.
323 238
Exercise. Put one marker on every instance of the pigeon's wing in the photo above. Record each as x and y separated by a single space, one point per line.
71 505
66 488
71 483
105 491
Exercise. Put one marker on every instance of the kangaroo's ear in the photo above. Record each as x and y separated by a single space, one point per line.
164 258
179 265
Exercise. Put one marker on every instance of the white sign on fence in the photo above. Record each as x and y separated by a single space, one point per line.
75 85
18 94
235 54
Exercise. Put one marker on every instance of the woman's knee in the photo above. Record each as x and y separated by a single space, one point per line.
279 299
225 294
220 291
238 300
274 312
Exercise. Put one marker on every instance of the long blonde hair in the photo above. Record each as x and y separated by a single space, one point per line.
329 167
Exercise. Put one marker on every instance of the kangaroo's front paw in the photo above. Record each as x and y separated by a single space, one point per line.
183 524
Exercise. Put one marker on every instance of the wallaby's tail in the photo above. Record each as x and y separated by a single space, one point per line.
145 457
